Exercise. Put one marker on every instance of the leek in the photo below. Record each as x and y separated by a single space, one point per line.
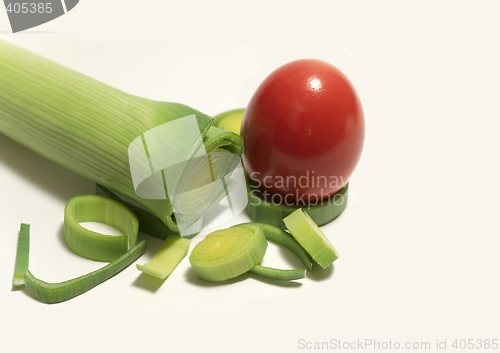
93 245
51 293
166 259
278 274
88 127
311 238
148 223
230 120
228 253
22 257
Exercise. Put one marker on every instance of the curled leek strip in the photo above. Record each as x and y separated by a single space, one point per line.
311 238
278 274
228 253
83 207
51 293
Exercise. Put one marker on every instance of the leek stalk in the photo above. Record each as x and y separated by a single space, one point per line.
87 126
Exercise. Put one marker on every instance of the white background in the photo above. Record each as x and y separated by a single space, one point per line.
419 241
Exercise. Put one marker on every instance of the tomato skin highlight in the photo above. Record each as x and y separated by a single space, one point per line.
303 131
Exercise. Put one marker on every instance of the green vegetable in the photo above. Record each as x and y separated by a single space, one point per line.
311 238
228 253
323 212
166 258
148 223
278 274
58 292
22 257
88 127
93 245
230 120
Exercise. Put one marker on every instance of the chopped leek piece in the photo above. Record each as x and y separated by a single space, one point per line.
228 253
311 238
58 292
322 212
230 120
88 127
22 257
167 258
93 245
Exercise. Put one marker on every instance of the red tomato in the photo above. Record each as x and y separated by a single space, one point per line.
303 132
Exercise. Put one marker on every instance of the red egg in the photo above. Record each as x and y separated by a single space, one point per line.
303 132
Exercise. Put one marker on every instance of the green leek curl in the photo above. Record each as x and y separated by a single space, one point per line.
86 243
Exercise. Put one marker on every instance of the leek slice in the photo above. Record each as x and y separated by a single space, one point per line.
166 259
322 213
311 238
87 126
228 253
230 120
51 293
93 245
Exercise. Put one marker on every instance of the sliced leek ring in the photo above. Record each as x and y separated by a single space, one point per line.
93 245
322 213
